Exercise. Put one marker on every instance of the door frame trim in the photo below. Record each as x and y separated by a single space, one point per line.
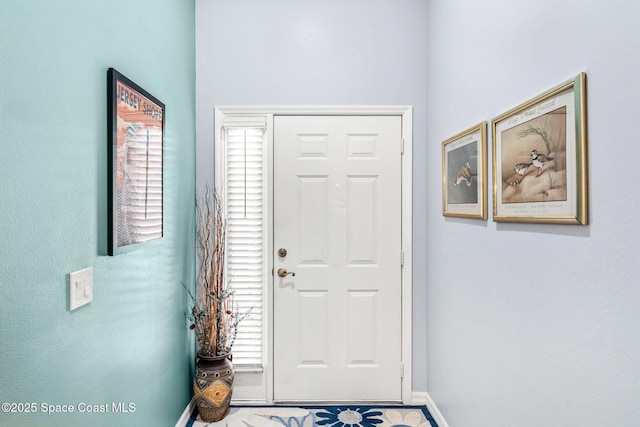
406 112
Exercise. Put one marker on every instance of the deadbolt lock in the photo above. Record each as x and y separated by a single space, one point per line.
282 252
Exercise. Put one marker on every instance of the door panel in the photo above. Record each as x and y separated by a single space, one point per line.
337 212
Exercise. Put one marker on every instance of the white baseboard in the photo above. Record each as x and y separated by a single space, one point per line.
184 419
433 409
419 398
249 402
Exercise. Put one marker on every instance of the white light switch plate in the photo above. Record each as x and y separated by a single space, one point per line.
80 288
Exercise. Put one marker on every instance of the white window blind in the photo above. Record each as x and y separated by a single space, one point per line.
245 204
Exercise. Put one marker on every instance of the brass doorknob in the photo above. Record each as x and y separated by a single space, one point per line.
282 272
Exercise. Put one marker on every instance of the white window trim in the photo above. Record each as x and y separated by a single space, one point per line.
259 389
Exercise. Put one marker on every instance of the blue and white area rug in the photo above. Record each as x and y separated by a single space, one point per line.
329 416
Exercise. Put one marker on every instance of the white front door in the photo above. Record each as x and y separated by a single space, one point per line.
337 214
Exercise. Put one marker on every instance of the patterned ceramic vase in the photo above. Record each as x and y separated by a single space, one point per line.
213 386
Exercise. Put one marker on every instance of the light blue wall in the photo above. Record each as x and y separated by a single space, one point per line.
532 325
319 52
130 344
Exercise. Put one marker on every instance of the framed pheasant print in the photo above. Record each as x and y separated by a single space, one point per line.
464 174
540 158
135 187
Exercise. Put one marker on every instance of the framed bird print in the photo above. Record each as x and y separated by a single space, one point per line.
464 174
135 186
540 158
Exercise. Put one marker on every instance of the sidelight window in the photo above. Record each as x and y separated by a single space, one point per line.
243 186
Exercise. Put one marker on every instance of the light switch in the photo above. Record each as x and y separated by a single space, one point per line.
80 288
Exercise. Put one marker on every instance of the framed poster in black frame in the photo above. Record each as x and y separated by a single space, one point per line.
135 164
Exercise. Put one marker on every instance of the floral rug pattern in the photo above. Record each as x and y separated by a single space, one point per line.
328 416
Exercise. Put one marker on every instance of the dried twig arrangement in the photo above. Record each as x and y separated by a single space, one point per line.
214 316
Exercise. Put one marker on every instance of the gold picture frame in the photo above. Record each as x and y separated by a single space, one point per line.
540 158
464 173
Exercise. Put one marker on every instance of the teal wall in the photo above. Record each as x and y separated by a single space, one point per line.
130 344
